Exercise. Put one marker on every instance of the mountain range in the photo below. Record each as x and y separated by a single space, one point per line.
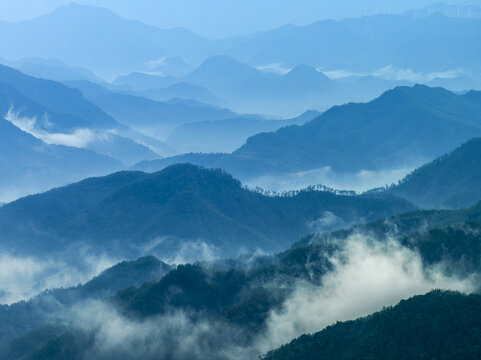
181 211
243 298
156 118
31 166
393 332
226 135
58 114
403 128
85 36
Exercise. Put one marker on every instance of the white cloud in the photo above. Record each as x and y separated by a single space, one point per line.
24 277
80 137
367 276
397 74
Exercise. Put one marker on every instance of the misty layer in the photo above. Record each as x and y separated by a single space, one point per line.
244 313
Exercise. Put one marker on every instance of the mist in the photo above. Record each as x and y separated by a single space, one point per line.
22 277
359 182
79 138
367 275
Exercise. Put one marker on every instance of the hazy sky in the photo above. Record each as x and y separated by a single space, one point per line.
219 18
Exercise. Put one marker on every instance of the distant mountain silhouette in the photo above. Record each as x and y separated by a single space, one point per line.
29 165
173 66
51 69
226 135
148 116
403 128
88 36
65 117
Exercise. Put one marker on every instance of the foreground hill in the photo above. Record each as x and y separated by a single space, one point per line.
438 325
232 307
451 181
26 315
130 213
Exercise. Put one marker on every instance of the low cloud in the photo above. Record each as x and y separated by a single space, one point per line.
360 181
393 73
23 277
367 276
277 68
79 138
172 336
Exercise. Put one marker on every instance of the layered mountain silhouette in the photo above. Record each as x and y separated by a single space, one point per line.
241 297
155 118
33 313
30 165
403 128
86 36
58 114
182 206
226 135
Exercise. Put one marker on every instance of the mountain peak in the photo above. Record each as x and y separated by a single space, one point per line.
306 71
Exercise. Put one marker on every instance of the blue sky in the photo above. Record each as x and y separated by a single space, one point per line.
219 18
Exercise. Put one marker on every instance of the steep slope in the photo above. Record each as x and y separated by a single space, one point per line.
451 181
450 324
61 115
29 165
177 209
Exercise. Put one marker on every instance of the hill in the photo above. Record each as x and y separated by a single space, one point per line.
235 305
72 120
232 302
450 324
151 117
403 128
177 210
451 181
32 313
30 165
369 42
